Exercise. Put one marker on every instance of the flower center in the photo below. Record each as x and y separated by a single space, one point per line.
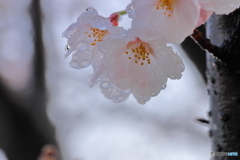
139 51
167 5
97 34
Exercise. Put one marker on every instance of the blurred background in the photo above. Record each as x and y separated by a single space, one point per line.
45 101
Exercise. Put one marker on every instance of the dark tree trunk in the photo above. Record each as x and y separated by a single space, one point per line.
224 84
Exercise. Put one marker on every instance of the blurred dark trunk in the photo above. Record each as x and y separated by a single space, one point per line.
224 84
24 125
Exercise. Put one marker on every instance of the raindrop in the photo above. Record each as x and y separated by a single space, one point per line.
153 93
146 98
102 49
97 81
120 98
74 64
82 46
164 86
180 67
85 63
75 57
89 8
105 85
127 91
67 48
130 10
172 76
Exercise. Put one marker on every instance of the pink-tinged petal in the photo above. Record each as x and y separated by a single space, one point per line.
112 92
170 25
140 99
81 59
151 82
204 16
117 67
220 6
135 72
173 63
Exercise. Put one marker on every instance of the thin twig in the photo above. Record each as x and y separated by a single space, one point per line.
205 43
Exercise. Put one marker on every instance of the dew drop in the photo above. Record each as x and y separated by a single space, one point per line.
74 64
82 46
120 98
97 81
118 93
164 86
127 91
149 66
152 74
146 98
180 67
102 49
89 8
172 76
153 93
85 63
75 57
87 53
130 10
105 85
67 48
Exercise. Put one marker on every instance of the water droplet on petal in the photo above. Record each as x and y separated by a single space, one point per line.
164 86
82 46
180 67
130 10
153 94
128 91
67 48
105 85
102 49
152 74
85 63
149 66
172 76
89 8
118 93
120 98
74 64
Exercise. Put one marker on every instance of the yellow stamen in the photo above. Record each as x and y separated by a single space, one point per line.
167 5
139 51
97 34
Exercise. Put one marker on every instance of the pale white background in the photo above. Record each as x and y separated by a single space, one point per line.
89 126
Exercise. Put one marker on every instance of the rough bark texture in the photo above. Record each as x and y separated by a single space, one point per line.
224 84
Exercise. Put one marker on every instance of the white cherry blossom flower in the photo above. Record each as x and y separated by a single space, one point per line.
170 20
83 36
141 66
220 6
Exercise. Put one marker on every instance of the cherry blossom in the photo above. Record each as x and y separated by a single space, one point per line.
141 66
170 20
220 6
83 36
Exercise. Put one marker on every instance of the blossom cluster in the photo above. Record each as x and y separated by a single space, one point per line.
137 61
